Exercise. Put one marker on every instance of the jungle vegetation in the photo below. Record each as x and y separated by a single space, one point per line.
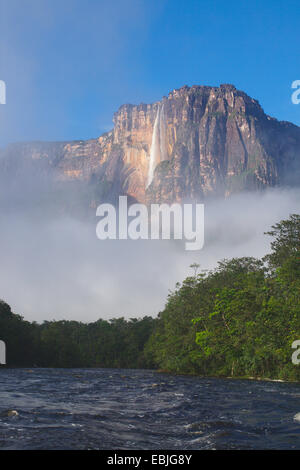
239 319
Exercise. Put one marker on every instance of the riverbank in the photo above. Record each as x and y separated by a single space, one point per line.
263 379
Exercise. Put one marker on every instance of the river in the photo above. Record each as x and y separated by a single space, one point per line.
138 409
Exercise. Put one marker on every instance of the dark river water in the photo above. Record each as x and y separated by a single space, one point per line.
129 409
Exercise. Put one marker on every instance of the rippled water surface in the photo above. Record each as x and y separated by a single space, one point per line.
129 409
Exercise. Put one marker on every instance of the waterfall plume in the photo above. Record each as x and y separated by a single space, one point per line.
158 150
155 148
162 135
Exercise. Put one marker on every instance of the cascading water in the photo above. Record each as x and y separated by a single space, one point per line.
155 148
162 135
158 150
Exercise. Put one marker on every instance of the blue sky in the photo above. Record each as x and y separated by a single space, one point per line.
70 64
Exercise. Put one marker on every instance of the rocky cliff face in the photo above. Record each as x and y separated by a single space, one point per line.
198 142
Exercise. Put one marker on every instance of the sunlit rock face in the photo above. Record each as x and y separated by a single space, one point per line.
195 143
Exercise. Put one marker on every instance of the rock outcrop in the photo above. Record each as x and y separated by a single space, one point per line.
198 142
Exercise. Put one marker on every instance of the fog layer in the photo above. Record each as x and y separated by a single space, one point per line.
54 267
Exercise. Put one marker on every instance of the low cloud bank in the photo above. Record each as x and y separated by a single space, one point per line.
56 268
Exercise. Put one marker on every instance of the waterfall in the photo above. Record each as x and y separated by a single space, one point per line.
162 135
158 151
155 147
